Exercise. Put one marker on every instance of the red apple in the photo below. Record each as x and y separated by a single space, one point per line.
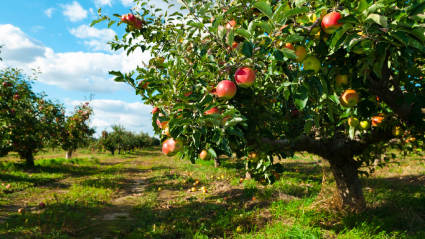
16 97
170 147
155 110
226 89
231 24
245 77
330 22
235 45
187 93
41 205
377 120
213 110
289 46
349 98
203 155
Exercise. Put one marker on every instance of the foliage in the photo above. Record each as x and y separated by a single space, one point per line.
28 120
121 139
379 46
75 131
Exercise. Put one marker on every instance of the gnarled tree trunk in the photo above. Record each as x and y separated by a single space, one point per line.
348 185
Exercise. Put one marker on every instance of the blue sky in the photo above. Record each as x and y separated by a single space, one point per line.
54 37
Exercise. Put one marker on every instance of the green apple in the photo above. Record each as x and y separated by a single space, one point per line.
353 122
364 124
311 63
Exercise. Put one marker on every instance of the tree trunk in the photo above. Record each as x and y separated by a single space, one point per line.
216 162
247 173
349 189
28 157
69 154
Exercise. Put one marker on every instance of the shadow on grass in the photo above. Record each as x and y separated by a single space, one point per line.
184 220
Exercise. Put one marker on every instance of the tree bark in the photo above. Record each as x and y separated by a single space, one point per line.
349 189
28 157
69 154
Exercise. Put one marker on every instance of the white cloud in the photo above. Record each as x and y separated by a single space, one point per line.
74 11
96 39
49 12
101 3
127 3
17 46
134 116
81 71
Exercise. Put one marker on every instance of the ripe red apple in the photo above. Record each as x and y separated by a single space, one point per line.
203 155
311 63
377 120
160 124
289 46
349 98
235 45
330 22
155 110
41 205
16 96
187 94
231 24
301 52
226 89
170 147
6 84
245 77
341 80
213 110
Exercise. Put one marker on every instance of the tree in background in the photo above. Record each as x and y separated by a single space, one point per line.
338 79
122 140
75 131
28 121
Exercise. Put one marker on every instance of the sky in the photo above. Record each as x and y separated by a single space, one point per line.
55 38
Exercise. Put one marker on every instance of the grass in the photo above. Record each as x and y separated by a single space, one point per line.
146 195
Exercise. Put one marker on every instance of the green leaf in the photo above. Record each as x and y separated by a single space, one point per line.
301 98
294 38
279 13
251 27
244 33
363 5
212 153
289 53
308 125
247 48
351 132
337 37
267 27
294 12
418 8
264 7
379 19
230 37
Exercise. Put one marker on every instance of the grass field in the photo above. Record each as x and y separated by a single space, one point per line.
147 195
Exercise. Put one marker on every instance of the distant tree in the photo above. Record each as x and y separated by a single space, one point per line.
75 131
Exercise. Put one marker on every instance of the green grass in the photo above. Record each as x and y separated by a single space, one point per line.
146 195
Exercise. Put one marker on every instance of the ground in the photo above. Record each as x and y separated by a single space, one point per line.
144 194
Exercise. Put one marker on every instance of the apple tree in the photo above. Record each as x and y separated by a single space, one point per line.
265 79
28 121
76 131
